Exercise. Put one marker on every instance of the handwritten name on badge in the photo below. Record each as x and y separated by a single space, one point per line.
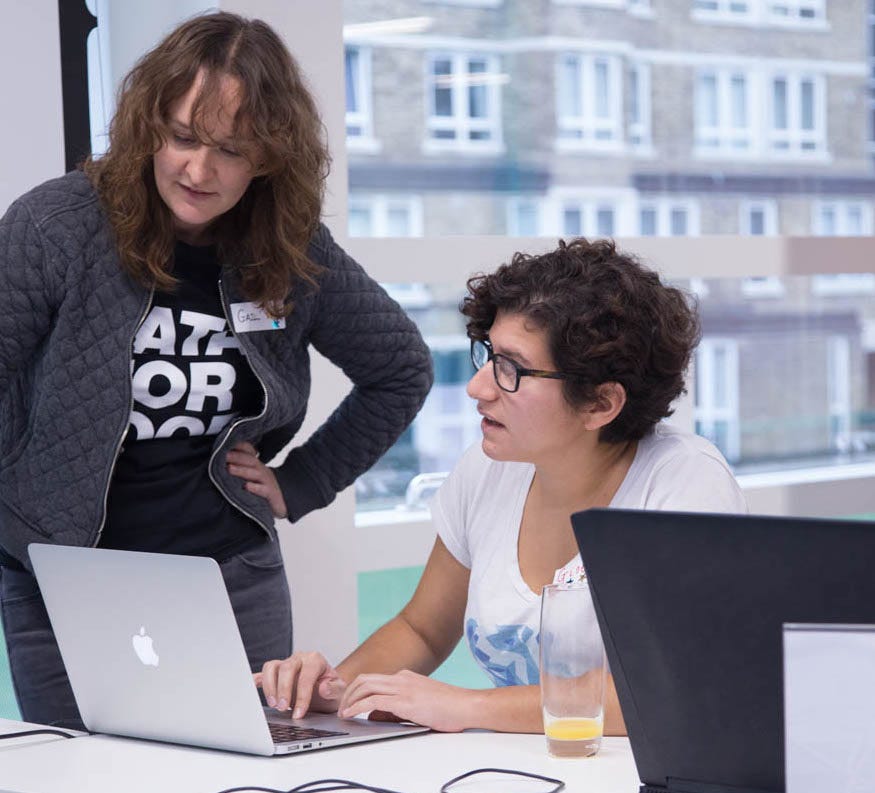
248 317
573 574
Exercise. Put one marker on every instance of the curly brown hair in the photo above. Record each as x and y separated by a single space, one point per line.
279 130
607 319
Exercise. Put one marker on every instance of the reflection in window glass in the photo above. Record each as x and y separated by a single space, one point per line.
485 102
779 384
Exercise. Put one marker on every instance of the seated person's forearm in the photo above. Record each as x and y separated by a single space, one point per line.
390 649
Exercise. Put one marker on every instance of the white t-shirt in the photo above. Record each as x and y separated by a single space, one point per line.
478 510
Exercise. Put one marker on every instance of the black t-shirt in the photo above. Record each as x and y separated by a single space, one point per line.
190 379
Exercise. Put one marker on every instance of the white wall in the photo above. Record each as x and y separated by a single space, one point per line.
31 133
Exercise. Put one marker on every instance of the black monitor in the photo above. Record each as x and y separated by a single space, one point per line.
691 608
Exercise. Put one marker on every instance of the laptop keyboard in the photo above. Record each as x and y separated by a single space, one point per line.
284 733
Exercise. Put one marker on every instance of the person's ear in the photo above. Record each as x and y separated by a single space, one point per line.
610 398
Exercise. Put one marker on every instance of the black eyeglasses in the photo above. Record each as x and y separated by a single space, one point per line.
507 372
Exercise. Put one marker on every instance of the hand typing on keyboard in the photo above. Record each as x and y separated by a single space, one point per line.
304 681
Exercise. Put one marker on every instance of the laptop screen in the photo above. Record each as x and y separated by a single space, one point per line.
691 608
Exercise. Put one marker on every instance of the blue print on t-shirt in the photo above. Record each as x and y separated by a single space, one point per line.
507 655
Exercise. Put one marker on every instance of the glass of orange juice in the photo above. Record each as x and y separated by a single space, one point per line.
573 671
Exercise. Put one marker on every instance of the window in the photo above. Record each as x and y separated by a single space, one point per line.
639 105
838 390
359 119
464 102
722 108
588 101
385 216
524 217
841 218
716 394
795 11
758 218
668 217
797 115
588 218
730 10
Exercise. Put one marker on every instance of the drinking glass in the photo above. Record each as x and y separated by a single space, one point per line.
573 671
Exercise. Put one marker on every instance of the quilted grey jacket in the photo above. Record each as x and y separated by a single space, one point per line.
68 315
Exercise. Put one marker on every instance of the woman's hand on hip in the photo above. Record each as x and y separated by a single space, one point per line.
409 697
303 682
242 461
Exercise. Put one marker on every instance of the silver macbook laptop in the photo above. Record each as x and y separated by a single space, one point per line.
153 651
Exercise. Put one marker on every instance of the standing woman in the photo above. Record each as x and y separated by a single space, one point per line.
156 311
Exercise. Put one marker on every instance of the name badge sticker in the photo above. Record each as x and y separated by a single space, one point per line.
247 317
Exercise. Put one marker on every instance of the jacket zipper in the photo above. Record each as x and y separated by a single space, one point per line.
127 428
240 421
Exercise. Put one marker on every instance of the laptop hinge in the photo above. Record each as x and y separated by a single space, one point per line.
675 785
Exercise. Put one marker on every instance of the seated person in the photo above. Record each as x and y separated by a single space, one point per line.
578 355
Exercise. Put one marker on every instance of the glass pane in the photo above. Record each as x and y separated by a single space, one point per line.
776 387
779 103
572 222
602 101
351 62
648 222
739 102
398 221
807 105
360 223
487 102
678 222
605 222
757 222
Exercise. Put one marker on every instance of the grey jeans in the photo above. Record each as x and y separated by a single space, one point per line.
257 586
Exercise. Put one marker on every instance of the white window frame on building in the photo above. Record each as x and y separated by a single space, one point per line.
764 208
533 225
638 7
843 212
460 123
723 10
799 138
640 108
666 211
838 391
595 118
795 13
359 120
725 135
718 357
380 206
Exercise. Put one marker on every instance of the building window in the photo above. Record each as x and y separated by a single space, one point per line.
716 394
838 391
840 218
589 101
668 217
639 105
464 102
795 11
797 115
588 218
758 218
524 217
732 10
383 215
723 112
359 118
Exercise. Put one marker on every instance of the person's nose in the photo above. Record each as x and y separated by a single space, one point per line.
200 165
482 385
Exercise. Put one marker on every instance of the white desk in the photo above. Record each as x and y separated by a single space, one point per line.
417 764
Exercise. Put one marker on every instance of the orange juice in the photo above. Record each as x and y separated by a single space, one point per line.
573 737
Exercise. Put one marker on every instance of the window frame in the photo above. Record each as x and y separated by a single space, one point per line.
460 123
588 123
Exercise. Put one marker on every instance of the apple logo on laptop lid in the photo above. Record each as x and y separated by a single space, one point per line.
143 648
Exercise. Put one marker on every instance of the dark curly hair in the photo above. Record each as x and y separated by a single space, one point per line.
267 233
607 319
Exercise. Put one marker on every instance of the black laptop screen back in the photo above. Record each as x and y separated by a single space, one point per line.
691 608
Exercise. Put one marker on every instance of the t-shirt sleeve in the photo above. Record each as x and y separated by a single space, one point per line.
451 505
695 483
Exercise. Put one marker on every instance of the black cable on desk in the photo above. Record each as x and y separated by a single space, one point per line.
36 732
